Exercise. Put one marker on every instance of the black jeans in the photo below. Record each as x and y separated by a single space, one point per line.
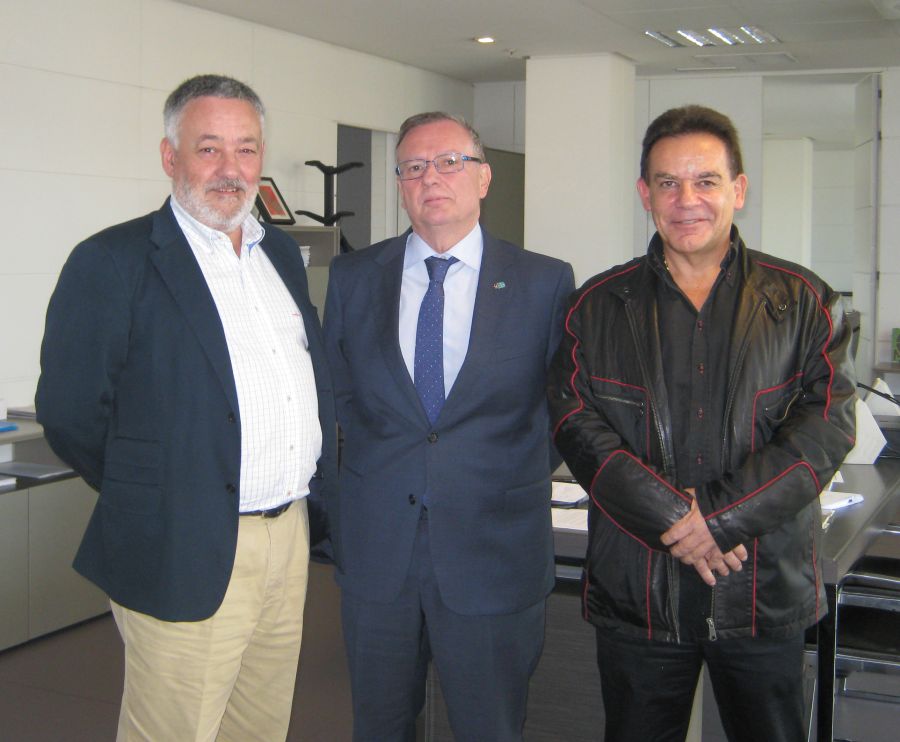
648 687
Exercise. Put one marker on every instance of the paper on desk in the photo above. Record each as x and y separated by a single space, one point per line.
567 493
880 405
869 438
836 500
570 519
838 478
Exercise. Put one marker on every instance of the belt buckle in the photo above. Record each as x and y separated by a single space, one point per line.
276 511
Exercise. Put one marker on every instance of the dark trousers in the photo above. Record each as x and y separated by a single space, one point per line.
648 687
484 662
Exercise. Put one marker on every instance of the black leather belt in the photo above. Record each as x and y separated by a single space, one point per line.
271 512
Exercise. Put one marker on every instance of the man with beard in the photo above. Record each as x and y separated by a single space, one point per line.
183 377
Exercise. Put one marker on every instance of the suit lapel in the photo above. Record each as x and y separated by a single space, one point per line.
386 309
182 275
496 288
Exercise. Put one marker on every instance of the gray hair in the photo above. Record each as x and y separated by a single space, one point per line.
216 86
420 119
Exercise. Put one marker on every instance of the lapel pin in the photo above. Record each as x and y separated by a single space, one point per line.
500 285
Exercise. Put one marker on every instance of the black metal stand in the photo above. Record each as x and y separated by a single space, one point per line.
329 217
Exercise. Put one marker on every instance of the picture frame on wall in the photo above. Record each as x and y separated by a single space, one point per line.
271 204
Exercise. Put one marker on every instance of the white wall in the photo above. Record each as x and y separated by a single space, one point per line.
888 297
579 111
83 84
740 98
787 200
833 231
500 115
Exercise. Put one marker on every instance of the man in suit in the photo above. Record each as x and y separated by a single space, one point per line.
184 377
443 528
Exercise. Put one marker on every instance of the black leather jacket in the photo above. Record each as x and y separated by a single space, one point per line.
789 422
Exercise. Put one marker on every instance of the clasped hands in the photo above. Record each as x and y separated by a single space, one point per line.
690 541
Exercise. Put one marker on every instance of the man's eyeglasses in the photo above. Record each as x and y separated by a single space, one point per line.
449 162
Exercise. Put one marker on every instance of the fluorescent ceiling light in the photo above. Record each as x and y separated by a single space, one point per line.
760 36
663 39
485 39
726 37
695 37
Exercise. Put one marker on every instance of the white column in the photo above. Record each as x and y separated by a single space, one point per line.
579 152
787 199
888 297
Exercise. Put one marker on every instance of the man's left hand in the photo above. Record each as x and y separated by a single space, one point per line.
690 541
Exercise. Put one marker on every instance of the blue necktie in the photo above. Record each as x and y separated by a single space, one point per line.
428 366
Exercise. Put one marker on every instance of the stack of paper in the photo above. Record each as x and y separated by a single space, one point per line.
567 494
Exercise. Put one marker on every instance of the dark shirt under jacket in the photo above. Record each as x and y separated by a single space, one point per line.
695 359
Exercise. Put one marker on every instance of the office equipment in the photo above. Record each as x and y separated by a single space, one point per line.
36 472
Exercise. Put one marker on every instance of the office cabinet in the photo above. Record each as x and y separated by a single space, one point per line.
323 244
13 568
57 595
41 525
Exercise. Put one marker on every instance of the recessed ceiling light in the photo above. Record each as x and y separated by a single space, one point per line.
760 36
663 39
485 39
726 37
695 37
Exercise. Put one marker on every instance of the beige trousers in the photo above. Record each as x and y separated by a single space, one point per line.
230 677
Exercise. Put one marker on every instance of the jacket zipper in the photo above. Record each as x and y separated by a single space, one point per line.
711 621
620 400
667 463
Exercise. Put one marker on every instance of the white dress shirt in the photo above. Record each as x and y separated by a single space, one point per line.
281 438
460 287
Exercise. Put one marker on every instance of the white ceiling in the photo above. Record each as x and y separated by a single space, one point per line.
436 34
818 36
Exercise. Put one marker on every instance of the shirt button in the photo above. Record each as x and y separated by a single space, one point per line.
699 460
230 488
412 499
700 413
432 437
231 418
700 324
701 368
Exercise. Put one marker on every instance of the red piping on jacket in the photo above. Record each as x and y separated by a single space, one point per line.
767 484
578 343
663 482
756 399
830 329
641 389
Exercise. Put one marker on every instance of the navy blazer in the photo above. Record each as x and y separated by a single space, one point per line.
137 395
485 464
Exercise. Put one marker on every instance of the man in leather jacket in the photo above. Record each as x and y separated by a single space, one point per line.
703 395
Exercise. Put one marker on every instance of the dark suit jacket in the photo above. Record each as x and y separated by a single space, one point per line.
137 395
486 462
